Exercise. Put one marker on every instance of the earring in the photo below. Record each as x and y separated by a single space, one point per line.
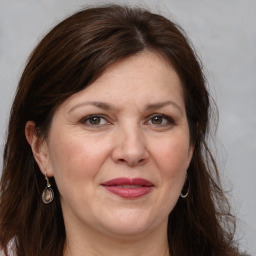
186 194
48 194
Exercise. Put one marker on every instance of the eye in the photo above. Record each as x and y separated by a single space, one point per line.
160 120
157 120
94 120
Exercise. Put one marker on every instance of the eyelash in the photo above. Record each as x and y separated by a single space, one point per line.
168 120
90 118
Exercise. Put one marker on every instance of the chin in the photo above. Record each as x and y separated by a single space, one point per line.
129 225
128 230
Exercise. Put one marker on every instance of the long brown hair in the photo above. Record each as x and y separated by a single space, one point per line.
68 59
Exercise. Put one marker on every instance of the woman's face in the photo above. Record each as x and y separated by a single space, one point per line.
119 149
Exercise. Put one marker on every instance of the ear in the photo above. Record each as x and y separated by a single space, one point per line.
190 154
39 148
192 145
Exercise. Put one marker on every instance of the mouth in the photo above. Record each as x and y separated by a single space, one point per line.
129 188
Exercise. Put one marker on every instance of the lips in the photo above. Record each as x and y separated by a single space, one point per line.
129 188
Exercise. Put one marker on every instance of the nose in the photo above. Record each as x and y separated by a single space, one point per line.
130 147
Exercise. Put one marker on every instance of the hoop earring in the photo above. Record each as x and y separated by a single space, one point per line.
186 194
48 194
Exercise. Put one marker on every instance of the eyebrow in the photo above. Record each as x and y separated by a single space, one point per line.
156 106
98 104
107 106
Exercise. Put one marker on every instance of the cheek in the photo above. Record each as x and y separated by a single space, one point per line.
173 155
172 160
74 160
172 163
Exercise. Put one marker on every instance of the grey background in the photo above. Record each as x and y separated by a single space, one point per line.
224 34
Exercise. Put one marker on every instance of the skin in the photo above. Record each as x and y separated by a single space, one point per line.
129 137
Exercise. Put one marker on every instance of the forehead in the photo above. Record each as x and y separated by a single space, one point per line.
143 78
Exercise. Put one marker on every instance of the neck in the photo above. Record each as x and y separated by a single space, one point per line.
98 244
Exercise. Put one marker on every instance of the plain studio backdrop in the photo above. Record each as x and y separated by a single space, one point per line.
224 34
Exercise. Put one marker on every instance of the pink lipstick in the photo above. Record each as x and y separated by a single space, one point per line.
129 188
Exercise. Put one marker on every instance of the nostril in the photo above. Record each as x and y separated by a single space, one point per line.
122 161
131 163
134 163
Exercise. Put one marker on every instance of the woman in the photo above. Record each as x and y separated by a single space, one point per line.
106 151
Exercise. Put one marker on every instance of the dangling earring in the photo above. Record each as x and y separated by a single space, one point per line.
186 194
48 194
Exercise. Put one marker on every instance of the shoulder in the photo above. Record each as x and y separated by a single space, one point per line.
10 253
10 250
2 253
